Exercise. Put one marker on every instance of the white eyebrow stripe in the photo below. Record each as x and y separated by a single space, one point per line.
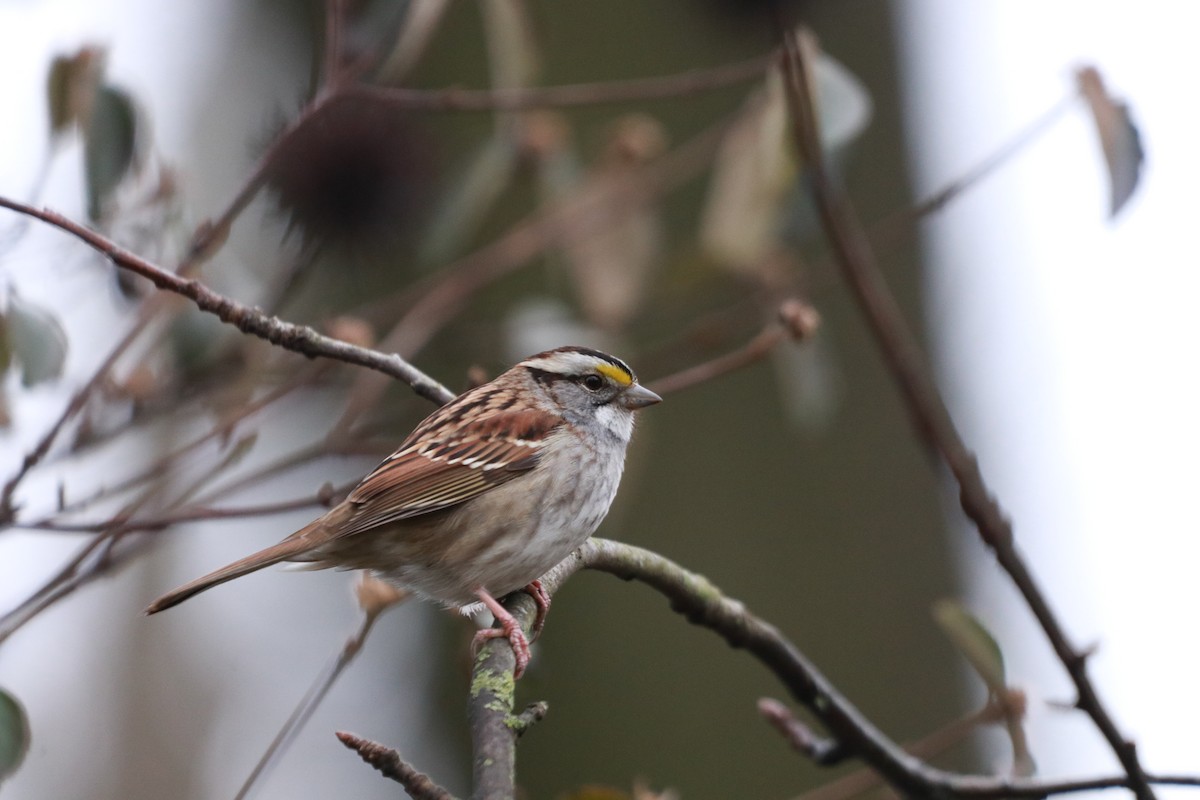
567 363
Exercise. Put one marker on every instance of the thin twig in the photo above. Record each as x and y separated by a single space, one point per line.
74 406
309 703
929 413
933 744
586 213
331 57
418 785
290 336
903 220
664 87
190 514
801 737
797 321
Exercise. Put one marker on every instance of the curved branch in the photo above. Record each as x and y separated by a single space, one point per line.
290 336
703 604
928 411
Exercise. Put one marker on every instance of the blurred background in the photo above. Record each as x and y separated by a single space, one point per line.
796 484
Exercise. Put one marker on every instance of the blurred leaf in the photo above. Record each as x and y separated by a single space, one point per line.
36 339
808 379
513 63
110 149
421 20
844 104
756 166
1119 138
71 88
512 49
974 641
14 734
241 448
1024 765
6 354
470 199
376 595
612 265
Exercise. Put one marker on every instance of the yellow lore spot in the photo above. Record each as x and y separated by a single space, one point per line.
615 373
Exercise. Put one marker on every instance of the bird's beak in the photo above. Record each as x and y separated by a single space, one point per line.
638 396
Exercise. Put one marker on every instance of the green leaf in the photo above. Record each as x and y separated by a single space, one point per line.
111 146
14 734
974 641
36 339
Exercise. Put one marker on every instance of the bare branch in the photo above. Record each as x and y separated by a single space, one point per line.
797 321
297 338
665 87
316 694
929 414
389 763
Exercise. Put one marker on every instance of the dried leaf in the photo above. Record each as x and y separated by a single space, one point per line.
974 641
756 167
71 88
612 266
111 146
36 339
1119 138
376 596
14 734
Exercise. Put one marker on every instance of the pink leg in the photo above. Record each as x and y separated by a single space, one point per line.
542 598
508 629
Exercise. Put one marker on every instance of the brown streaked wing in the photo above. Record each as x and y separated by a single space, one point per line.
429 474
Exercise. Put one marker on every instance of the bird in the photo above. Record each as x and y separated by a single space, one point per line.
486 494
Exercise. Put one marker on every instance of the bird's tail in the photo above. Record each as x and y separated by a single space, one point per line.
295 545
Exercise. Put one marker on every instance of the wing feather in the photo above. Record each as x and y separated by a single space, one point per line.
442 467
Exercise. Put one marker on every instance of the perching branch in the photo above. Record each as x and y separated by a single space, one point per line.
929 414
703 604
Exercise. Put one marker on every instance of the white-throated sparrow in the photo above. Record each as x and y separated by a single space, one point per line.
485 495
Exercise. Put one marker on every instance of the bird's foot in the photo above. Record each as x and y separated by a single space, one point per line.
509 629
542 598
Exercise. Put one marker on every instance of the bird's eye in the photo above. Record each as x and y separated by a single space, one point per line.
593 383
